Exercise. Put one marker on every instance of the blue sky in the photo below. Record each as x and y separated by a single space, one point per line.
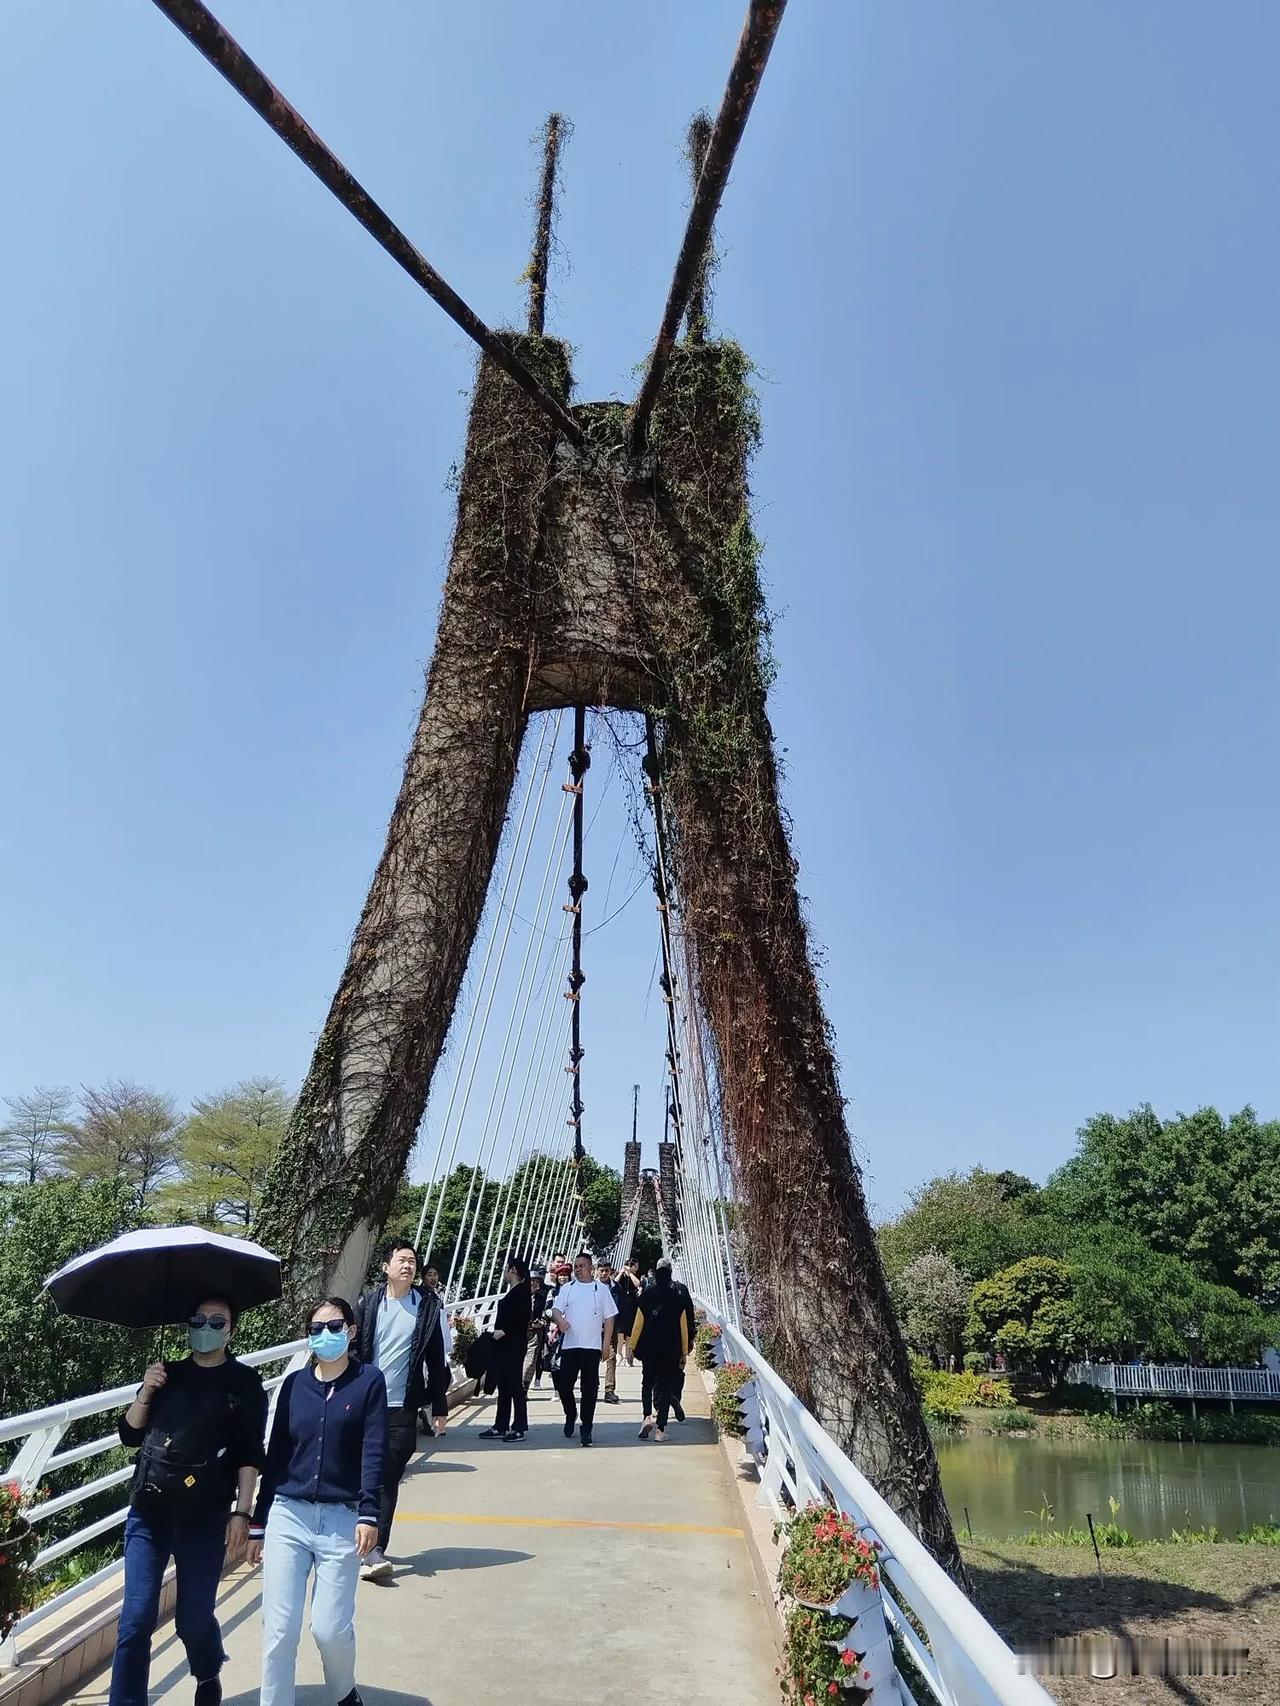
1009 277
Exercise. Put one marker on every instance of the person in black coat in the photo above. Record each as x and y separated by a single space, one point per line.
200 1425
511 1335
660 1337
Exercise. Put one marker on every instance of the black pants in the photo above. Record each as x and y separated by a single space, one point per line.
508 1368
665 1377
575 1364
402 1442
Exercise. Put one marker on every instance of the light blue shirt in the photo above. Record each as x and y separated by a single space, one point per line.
393 1343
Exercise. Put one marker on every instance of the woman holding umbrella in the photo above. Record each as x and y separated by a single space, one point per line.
200 1425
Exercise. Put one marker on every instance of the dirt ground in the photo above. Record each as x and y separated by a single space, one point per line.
1228 1594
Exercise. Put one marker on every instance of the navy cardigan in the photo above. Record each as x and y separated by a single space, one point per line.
328 1442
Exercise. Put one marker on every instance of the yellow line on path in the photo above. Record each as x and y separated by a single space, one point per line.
446 1518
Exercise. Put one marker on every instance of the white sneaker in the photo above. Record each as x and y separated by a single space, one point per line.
376 1566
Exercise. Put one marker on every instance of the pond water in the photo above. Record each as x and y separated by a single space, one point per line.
1160 1486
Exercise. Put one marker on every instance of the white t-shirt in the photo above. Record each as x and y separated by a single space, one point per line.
586 1305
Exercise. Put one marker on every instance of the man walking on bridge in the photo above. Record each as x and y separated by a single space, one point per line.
584 1312
398 1331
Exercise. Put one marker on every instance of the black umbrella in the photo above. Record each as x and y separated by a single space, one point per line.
163 1274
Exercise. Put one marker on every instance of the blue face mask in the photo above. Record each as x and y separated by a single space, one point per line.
206 1339
329 1345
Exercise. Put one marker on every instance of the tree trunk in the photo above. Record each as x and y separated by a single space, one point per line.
356 1119
830 1326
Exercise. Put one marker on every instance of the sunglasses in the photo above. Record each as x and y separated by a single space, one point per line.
335 1323
217 1322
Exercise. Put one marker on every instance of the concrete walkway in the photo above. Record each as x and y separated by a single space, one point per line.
542 1574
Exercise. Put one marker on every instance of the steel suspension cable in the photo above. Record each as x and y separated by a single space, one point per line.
537 1061
496 937
554 855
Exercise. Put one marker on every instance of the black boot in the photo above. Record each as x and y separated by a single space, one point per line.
352 1699
209 1693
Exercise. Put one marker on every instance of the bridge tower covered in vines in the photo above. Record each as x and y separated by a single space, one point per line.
604 556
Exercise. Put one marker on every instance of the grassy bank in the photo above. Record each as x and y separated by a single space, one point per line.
1155 1590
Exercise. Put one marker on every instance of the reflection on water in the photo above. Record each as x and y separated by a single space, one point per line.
1160 1486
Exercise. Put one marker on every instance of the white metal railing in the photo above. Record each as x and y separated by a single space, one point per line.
962 1659
1171 1380
41 1432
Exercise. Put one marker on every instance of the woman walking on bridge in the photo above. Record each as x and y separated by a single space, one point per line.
660 1338
511 1337
318 1505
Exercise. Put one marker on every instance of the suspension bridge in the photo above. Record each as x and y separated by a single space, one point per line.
603 580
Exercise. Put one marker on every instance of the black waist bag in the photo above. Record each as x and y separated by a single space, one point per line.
163 1486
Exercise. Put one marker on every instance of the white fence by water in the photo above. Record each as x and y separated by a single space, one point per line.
962 1659
1172 1380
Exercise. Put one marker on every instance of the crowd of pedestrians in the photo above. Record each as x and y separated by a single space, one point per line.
314 1502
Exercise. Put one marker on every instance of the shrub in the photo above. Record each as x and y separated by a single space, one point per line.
18 1547
726 1405
975 1362
704 1345
963 1392
464 1336
943 1423
1162 1421
1011 1421
1261 1534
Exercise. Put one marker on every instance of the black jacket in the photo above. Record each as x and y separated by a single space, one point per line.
428 1342
663 1326
626 1295
206 1415
515 1309
328 1442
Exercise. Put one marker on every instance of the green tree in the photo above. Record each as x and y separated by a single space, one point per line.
44 1355
1027 1313
971 1217
1133 1299
646 1246
1197 1186
35 1125
602 1202
125 1131
932 1298
224 1149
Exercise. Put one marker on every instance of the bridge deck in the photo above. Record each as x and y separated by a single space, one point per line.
542 1573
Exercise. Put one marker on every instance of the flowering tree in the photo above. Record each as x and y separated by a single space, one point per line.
932 1295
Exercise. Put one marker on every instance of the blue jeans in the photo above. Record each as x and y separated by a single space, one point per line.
197 1546
302 1537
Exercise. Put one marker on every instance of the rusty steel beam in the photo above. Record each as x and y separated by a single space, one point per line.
225 54
696 148
754 46
541 259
